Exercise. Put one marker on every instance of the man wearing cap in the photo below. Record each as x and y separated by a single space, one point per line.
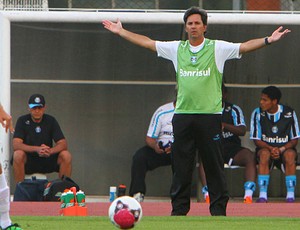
33 143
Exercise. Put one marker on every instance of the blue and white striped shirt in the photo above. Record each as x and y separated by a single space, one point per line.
160 126
275 129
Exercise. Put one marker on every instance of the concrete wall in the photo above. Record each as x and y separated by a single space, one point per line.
106 123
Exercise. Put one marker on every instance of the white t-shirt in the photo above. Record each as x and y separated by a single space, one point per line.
223 51
160 126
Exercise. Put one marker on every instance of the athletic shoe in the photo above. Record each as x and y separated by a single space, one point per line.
13 227
139 197
207 200
290 200
248 200
261 200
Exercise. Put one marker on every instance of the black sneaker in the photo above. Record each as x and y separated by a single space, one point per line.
13 227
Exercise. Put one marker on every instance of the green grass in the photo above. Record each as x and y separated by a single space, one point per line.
159 223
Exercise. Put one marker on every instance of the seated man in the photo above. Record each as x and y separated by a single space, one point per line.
275 131
157 151
233 126
33 143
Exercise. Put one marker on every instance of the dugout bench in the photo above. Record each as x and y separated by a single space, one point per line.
235 178
159 181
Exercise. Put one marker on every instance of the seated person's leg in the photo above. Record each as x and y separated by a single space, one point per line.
201 174
263 174
19 160
289 160
65 163
138 171
246 158
145 159
29 163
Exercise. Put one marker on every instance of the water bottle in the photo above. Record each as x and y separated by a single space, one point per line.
112 193
80 196
121 190
63 200
69 199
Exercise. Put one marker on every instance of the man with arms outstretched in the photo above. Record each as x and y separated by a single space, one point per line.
197 123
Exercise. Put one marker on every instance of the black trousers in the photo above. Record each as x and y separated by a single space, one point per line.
200 132
144 160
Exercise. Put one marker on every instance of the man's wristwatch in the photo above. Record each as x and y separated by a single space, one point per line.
267 41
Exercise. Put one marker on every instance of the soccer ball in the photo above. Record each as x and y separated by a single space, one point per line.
125 212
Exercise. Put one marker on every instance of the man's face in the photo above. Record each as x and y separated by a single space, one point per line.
267 104
195 27
37 113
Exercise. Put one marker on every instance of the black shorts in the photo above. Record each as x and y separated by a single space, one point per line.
230 150
36 164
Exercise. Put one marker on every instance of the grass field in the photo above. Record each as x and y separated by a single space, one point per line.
158 223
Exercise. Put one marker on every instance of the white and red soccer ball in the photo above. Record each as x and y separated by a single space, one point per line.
125 212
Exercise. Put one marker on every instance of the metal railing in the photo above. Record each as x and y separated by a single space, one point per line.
32 5
241 5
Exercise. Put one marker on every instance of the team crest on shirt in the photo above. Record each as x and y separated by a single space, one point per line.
37 100
38 129
193 59
210 43
275 129
27 122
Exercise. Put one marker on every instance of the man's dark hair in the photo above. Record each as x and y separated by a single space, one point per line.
195 10
272 92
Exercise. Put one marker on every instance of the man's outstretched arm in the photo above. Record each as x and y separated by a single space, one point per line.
258 43
137 39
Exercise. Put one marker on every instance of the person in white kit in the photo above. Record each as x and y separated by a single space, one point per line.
156 152
5 221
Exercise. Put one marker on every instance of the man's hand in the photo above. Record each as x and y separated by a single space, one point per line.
168 150
6 120
44 151
158 150
275 153
112 26
277 34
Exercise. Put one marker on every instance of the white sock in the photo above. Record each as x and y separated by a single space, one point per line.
290 195
5 220
263 195
248 192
